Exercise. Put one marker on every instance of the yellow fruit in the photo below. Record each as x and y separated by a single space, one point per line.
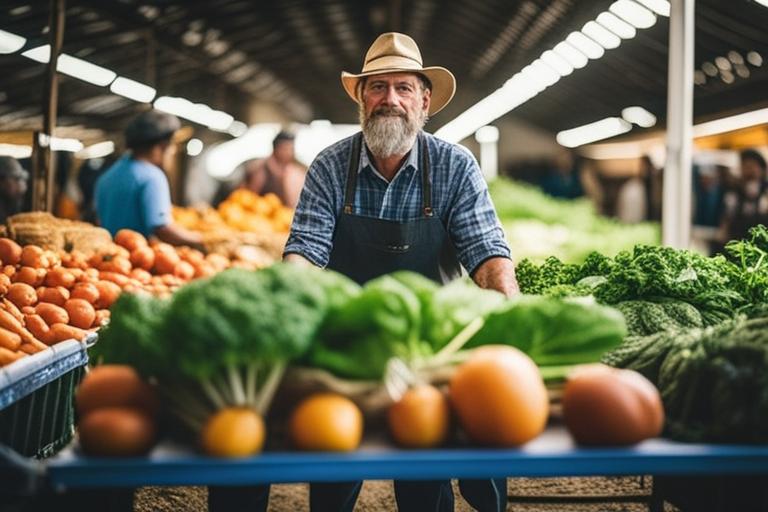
327 422
420 419
233 432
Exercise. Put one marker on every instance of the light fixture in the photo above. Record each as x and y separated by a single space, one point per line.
133 90
660 7
599 130
11 43
755 59
633 13
557 63
237 128
735 57
71 145
73 66
709 68
742 70
196 112
602 35
638 116
723 64
574 57
731 123
194 147
585 45
547 74
98 150
764 3
15 150
616 25
727 77
699 78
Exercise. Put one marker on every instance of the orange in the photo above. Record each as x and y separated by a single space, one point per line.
233 432
327 422
420 419
81 313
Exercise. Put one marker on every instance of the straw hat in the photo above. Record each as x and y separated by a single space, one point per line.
393 52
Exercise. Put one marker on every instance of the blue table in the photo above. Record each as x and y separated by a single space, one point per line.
551 454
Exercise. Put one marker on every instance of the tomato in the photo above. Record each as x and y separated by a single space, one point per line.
117 432
113 385
233 432
608 406
499 397
420 419
326 422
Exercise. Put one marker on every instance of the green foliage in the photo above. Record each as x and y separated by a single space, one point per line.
554 332
132 335
713 381
750 259
646 317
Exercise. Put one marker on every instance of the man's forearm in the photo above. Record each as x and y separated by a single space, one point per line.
497 274
177 235
293 257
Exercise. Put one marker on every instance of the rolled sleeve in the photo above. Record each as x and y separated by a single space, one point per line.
315 218
156 203
473 225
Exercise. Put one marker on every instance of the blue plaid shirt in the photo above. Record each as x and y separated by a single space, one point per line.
459 196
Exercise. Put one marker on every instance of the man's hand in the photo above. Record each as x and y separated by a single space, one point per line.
176 235
296 258
497 274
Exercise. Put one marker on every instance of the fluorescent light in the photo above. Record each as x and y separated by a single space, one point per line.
731 123
546 73
487 134
585 45
15 150
635 14
616 25
73 66
602 35
71 145
762 2
660 7
574 57
98 150
557 63
237 128
638 116
194 147
608 127
133 90
11 43
197 112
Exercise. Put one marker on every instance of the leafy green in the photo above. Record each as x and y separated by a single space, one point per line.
132 334
750 259
713 381
358 338
553 332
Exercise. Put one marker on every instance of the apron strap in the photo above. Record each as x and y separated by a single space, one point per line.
354 164
426 186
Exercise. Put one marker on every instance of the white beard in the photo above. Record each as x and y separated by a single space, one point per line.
388 131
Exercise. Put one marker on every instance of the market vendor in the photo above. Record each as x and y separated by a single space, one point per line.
277 174
134 192
13 186
397 198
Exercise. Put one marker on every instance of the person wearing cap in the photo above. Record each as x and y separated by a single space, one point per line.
134 192
13 186
279 173
394 197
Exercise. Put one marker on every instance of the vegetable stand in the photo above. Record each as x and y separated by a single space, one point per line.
551 454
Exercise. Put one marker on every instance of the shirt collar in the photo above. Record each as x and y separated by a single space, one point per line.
412 161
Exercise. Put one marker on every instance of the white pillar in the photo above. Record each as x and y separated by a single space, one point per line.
676 205
488 137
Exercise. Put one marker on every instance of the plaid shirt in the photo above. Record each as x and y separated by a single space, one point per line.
459 197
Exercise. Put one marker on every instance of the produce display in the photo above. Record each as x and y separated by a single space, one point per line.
539 226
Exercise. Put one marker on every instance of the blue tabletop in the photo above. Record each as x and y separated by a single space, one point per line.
551 454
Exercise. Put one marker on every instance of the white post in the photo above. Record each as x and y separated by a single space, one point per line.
676 204
488 137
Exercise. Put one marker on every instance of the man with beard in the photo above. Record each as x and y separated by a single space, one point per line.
396 198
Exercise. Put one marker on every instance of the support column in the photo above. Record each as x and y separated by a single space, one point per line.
676 205
488 137
43 165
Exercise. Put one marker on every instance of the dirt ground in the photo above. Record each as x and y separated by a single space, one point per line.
378 496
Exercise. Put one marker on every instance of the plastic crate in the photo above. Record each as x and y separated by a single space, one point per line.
36 399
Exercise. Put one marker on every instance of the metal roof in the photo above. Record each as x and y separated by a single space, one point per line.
230 53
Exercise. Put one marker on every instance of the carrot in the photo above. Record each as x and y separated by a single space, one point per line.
9 340
12 309
61 332
37 327
8 357
8 321
34 347
51 313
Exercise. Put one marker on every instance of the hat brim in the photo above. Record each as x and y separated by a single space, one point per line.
443 84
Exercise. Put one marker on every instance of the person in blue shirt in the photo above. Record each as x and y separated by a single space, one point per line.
134 192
